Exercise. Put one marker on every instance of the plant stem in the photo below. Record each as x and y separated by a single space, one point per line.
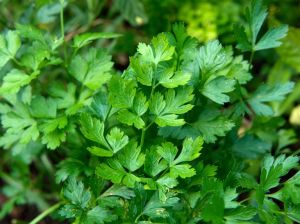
143 137
251 58
143 133
45 213
62 28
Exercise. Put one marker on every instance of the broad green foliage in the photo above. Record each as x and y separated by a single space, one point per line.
180 136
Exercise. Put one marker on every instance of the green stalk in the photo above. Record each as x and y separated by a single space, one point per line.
45 213
62 27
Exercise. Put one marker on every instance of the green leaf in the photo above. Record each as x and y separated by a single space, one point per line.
182 170
143 70
13 42
190 150
36 56
216 88
211 58
9 45
64 96
289 51
171 79
117 139
86 38
156 208
43 108
163 51
154 164
131 157
140 104
20 126
273 169
167 151
166 109
210 125
121 92
99 215
111 172
267 93
54 139
13 81
271 38
91 69
100 152
250 147
75 193
129 118
92 129
256 16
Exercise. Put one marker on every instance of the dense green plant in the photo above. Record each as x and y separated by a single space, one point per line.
178 137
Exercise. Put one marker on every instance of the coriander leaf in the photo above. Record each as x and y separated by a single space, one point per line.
240 214
163 51
211 58
182 170
91 69
86 38
35 55
69 167
101 106
129 118
92 129
167 151
273 169
156 208
121 92
117 139
100 152
250 147
210 124
99 215
131 157
216 88
143 70
112 171
271 38
13 81
256 16
140 104
267 93
41 107
166 109
13 42
154 164
64 96
9 45
75 193
190 150
169 78
53 139
242 39
20 123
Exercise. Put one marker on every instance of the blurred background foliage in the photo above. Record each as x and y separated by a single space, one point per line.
138 21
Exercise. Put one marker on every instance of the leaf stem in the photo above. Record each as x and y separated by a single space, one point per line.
251 59
45 213
143 134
